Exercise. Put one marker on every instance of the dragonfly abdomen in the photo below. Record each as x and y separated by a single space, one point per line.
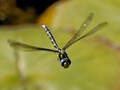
50 36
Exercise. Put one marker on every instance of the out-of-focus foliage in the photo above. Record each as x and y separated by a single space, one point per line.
11 14
50 13
14 12
95 61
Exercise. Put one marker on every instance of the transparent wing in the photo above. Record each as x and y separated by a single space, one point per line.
82 28
95 29
25 47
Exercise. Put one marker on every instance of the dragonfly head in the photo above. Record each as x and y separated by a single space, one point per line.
64 59
65 62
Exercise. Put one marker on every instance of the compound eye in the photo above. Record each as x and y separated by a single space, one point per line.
65 62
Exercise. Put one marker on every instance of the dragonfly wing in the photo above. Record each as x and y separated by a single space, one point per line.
82 28
95 29
25 47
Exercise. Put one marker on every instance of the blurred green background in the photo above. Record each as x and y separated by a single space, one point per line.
95 59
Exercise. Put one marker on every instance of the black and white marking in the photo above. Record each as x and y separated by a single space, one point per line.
50 36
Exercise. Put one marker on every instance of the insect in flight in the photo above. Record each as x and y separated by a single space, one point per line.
62 55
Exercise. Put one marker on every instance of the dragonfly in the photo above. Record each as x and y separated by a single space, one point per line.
62 55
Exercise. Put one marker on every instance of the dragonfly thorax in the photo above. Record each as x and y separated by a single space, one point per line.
64 60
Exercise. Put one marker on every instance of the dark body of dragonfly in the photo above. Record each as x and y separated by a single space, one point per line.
62 55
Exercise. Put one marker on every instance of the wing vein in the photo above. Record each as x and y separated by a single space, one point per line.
26 47
79 32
